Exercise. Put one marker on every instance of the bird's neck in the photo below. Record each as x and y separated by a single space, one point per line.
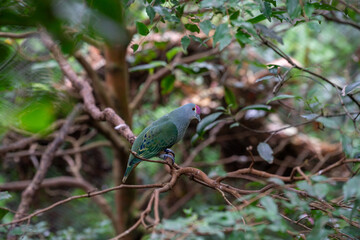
181 125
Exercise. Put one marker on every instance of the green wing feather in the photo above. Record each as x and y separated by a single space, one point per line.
160 135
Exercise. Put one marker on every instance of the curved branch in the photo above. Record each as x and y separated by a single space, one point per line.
85 91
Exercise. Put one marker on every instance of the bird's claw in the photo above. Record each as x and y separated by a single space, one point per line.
164 156
168 150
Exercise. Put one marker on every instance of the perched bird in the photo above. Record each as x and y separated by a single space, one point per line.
161 135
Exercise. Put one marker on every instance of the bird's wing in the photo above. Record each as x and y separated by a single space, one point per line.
156 138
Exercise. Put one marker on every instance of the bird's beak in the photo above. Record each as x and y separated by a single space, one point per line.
198 117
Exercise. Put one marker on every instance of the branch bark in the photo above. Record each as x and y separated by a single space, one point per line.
46 160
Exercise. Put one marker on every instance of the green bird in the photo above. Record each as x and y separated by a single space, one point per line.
161 135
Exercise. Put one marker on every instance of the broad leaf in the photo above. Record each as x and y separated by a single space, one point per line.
265 152
293 8
206 26
135 47
266 9
167 84
206 121
150 12
221 31
257 107
230 98
329 123
185 41
310 116
192 27
280 97
172 53
142 28
148 66
351 188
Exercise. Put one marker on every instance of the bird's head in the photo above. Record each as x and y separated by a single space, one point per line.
193 111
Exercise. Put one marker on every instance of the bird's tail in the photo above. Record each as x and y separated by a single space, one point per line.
132 163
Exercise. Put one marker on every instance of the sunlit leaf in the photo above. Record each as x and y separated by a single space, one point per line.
152 65
281 97
265 152
172 53
206 26
257 107
310 116
4 195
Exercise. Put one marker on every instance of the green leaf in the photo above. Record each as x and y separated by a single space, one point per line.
142 28
235 15
280 97
235 124
167 84
206 121
211 125
197 39
351 188
277 181
265 152
230 98
309 9
310 116
293 8
257 107
268 77
321 190
3 212
135 47
152 65
211 3
270 206
242 38
192 27
304 185
257 19
206 26
165 12
4 195
172 53
265 8
329 123
319 231
185 41
194 138
150 12
220 32
225 41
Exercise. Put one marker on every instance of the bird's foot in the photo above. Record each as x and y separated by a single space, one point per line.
168 150
168 153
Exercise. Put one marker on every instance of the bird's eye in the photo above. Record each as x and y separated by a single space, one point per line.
193 109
